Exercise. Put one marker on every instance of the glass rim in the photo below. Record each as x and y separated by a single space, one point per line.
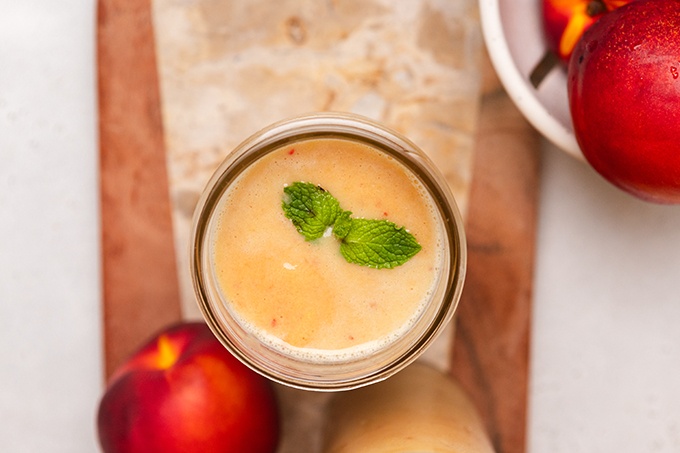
320 377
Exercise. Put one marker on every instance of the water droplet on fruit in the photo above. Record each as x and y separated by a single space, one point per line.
674 72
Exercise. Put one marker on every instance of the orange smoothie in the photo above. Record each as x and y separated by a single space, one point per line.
302 297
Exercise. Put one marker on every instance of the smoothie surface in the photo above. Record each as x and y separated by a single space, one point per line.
303 295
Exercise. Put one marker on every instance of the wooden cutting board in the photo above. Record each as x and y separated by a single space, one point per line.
142 196
140 287
491 350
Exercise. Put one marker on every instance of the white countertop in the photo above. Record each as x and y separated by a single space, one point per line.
606 343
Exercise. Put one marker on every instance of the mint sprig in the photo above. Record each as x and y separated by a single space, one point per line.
374 243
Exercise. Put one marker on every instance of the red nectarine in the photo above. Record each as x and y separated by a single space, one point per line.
624 95
184 392
565 21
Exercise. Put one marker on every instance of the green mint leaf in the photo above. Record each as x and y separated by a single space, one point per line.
374 243
342 225
311 209
378 244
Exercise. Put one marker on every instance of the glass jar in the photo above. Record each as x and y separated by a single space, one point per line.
321 369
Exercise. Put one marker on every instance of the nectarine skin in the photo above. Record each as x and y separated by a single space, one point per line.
624 94
184 392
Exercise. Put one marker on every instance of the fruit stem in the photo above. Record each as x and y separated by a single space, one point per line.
543 68
595 8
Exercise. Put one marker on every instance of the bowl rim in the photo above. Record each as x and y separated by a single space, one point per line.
520 90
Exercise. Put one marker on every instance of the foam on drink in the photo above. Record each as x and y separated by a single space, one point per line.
301 297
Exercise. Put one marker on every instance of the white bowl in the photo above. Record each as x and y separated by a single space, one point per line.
514 38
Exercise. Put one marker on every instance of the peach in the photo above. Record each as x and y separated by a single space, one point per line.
184 392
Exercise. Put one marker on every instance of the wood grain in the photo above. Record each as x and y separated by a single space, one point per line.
491 349
140 289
